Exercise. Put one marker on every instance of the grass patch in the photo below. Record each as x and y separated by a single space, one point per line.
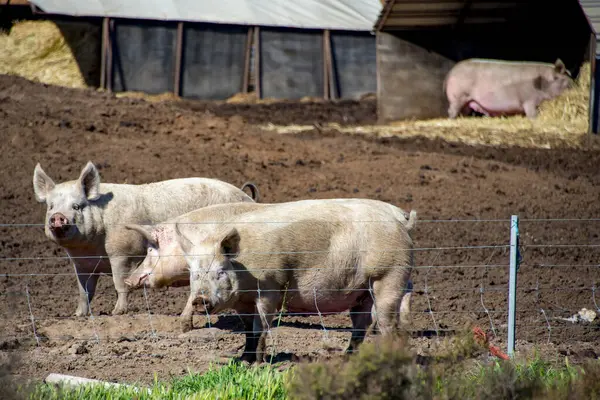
233 381
382 369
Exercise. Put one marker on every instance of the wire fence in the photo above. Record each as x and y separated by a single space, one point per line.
461 277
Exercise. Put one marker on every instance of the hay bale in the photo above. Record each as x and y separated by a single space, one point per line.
572 106
153 98
240 98
63 53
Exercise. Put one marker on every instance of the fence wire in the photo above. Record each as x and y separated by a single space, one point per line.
445 295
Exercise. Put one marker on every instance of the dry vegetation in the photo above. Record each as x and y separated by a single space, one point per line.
562 122
46 52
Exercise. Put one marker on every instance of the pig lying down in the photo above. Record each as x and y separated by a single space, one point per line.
87 219
165 264
495 88
310 256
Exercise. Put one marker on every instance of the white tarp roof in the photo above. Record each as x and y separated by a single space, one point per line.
317 14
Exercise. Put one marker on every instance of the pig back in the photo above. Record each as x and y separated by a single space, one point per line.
337 247
160 201
495 73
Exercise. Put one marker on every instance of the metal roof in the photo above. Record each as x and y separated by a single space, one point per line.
357 15
591 8
404 14
411 14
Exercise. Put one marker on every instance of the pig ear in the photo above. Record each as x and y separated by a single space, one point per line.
185 243
42 184
559 66
90 181
144 232
230 244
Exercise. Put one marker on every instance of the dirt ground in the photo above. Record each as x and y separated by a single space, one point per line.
462 266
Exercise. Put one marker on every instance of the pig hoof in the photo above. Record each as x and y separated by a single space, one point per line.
246 358
81 312
119 311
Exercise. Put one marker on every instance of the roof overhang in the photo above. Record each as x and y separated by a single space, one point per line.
412 14
591 9
354 15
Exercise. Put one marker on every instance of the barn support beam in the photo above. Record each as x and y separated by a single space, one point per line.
594 106
178 60
257 71
334 89
109 54
103 53
247 58
327 79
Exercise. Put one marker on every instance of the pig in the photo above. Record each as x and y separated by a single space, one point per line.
86 218
165 264
496 88
314 256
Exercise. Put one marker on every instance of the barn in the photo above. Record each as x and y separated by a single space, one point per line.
213 50
418 43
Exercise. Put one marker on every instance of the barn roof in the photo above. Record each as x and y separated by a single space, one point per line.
357 15
592 12
412 14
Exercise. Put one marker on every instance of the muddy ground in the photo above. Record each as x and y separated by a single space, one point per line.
462 266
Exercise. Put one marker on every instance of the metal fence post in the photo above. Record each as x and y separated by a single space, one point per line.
512 283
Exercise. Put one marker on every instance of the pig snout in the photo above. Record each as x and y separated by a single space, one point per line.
136 281
203 304
59 224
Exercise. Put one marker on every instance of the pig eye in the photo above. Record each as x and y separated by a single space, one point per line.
76 207
222 274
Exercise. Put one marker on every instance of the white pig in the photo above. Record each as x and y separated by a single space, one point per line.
87 219
165 264
311 256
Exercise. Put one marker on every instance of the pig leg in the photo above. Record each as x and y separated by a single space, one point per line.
249 354
405 305
403 310
387 299
186 319
119 268
454 109
87 288
530 109
247 316
361 320
404 313
457 104
266 308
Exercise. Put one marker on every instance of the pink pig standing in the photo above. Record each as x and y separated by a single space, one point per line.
496 87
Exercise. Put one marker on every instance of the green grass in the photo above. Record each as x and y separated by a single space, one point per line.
233 381
384 370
